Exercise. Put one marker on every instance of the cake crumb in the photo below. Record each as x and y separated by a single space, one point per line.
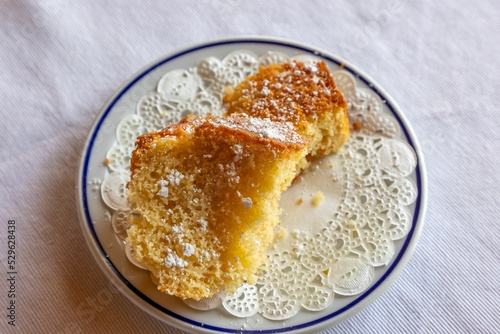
297 179
356 126
107 162
300 201
318 198
280 234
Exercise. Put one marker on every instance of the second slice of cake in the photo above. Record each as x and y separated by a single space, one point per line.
302 93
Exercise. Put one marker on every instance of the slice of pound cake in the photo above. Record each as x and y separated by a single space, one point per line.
301 93
204 196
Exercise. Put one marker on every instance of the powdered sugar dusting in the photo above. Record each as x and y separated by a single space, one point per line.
247 202
238 150
263 127
188 249
311 67
203 224
173 260
163 188
175 177
265 91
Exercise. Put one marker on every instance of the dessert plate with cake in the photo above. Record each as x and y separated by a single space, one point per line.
251 184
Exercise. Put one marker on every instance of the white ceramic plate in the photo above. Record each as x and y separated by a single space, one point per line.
135 283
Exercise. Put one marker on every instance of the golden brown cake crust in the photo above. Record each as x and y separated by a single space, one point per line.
280 136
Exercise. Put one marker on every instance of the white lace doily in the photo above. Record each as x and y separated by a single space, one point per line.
365 191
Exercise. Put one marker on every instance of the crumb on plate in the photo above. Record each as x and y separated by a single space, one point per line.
318 198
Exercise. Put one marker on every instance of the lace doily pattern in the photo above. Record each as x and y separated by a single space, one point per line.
355 235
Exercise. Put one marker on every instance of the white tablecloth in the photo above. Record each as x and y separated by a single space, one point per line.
61 60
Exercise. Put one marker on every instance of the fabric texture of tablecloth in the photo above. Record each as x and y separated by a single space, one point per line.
61 60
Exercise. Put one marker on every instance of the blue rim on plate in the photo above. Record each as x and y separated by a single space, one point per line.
350 309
